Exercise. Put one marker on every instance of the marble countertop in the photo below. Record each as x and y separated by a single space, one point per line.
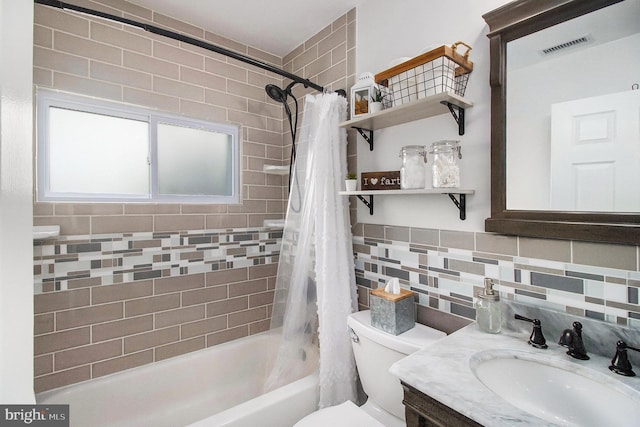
443 372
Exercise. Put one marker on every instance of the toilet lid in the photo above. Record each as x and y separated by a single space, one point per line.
346 414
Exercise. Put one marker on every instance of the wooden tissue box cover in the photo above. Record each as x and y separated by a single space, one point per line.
392 313
392 297
386 180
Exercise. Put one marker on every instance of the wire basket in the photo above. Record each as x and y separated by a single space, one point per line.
439 70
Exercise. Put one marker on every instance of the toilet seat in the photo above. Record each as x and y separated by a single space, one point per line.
346 414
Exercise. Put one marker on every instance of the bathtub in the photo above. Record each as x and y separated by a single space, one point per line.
218 386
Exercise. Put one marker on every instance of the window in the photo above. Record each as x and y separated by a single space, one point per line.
90 150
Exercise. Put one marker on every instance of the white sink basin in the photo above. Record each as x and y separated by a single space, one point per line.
563 392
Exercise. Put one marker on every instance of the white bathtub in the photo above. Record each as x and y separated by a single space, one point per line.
218 386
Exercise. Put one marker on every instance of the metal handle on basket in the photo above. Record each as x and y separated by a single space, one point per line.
454 47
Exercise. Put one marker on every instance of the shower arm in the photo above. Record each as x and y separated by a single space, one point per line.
185 39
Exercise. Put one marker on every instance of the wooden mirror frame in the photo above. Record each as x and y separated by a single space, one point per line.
509 22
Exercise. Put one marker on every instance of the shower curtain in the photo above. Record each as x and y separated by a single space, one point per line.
315 285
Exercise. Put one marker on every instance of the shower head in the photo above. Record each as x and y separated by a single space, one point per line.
275 93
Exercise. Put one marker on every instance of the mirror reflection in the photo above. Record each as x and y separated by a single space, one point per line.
573 114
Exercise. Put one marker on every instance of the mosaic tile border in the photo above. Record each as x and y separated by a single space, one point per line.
447 278
71 262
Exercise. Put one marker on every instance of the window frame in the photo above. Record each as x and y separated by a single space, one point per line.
46 99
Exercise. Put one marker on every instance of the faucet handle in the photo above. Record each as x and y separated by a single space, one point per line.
620 363
577 328
537 338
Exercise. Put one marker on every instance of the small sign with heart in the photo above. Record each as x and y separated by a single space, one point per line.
387 180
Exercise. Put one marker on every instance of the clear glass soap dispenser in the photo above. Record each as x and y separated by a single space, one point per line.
488 309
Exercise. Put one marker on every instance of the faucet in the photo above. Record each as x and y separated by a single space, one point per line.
536 339
572 339
620 363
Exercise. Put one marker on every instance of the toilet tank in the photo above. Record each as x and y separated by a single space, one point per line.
375 351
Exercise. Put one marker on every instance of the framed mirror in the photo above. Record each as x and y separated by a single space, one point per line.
565 119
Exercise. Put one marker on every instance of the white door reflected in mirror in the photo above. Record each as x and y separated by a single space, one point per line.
595 154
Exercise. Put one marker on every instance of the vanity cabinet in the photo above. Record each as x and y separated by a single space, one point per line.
424 411
430 106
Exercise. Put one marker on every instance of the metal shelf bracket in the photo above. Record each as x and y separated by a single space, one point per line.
368 203
367 137
461 202
461 205
458 116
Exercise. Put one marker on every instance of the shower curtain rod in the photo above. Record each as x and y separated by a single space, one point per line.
183 38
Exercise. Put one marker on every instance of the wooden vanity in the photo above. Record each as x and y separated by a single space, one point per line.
424 411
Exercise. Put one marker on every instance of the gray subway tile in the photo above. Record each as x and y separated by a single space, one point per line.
466 267
530 294
142 275
445 271
554 250
361 281
373 231
457 239
561 283
594 314
605 255
588 276
496 244
485 260
402 234
395 272
425 236
463 310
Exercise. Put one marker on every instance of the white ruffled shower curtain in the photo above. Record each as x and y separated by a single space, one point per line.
315 286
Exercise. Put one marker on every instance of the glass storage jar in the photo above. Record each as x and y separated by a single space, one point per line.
446 172
412 172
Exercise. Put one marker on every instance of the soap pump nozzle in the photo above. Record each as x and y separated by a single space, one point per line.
489 293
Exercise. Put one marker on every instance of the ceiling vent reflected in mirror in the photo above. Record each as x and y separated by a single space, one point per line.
567 45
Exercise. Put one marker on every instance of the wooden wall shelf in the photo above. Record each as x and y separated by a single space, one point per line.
429 106
460 202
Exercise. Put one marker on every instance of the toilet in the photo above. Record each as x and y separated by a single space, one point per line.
375 351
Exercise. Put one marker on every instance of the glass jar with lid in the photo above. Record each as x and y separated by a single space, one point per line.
412 172
445 169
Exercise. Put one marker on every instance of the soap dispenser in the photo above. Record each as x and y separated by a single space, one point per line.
488 309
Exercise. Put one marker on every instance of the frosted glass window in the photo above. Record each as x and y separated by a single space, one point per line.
111 161
194 161
95 150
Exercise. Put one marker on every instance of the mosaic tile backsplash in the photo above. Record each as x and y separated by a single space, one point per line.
446 269
80 261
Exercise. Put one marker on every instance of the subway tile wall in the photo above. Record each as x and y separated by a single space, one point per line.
447 268
100 58
130 284
329 57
